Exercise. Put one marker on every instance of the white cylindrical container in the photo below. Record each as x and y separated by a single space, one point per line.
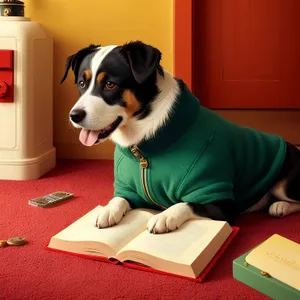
26 119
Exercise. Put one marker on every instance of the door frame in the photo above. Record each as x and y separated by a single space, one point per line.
183 41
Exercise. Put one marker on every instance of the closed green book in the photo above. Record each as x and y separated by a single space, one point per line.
279 273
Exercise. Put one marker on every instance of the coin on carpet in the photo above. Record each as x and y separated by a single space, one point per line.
16 241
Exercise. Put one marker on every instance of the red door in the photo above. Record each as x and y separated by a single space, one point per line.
246 53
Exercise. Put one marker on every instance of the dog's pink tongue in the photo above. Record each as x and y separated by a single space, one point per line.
88 137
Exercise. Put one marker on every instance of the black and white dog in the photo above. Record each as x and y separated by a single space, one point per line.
127 96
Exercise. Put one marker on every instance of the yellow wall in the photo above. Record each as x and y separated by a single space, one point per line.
74 24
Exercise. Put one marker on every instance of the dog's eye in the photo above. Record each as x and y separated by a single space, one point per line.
82 84
109 85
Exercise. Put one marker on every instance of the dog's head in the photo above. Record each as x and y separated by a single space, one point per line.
115 84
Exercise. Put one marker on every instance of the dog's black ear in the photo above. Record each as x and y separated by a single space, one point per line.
143 60
75 60
67 67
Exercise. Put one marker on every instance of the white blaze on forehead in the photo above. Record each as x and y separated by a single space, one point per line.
96 62
99 56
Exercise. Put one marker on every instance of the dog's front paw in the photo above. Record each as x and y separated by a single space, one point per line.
112 213
170 219
279 209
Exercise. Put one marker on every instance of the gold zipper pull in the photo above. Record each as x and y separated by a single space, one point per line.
144 163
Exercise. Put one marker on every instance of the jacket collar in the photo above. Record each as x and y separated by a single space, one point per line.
184 113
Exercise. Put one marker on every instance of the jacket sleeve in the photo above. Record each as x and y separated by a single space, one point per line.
209 179
121 189
124 191
212 192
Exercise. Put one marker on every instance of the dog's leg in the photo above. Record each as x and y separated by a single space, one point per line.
112 213
288 193
173 217
287 190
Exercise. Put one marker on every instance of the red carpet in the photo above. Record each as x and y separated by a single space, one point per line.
30 272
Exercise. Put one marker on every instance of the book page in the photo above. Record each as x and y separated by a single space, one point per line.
182 246
83 231
280 257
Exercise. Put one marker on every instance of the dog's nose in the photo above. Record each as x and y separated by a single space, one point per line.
77 115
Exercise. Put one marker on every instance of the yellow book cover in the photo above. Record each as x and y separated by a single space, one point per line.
280 258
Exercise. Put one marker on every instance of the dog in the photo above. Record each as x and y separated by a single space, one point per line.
171 153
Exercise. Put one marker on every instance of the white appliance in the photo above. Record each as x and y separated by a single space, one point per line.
26 100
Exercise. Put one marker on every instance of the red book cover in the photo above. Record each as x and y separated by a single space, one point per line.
137 266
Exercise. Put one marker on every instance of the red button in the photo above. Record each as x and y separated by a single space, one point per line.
3 89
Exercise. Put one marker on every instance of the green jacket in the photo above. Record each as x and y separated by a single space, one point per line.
198 157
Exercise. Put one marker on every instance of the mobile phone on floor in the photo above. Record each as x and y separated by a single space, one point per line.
50 199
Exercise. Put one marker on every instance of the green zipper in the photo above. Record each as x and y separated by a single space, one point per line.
144 164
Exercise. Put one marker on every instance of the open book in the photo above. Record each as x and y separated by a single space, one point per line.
280 258
186 252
